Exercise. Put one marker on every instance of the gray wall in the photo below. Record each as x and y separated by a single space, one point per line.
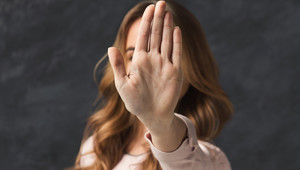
48 49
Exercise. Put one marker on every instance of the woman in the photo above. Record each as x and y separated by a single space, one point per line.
161 81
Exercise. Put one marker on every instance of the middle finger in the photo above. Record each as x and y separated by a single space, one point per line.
156 32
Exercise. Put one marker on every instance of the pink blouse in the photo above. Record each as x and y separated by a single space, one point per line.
192 154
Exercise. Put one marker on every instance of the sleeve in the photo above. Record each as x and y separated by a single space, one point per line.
191 154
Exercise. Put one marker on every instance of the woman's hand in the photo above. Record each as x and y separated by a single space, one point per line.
152 87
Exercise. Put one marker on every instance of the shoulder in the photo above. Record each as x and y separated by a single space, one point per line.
87 146
87 155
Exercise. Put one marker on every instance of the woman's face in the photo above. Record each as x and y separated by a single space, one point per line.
130 46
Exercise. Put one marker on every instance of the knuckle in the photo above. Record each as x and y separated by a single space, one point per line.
158 14
156 31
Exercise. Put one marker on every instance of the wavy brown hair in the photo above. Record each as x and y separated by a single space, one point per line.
205 103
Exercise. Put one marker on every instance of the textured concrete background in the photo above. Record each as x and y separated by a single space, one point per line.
48 49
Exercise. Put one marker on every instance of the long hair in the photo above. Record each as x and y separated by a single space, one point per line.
205 102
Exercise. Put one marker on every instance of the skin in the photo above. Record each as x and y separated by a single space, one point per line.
151 86
136 147
130 46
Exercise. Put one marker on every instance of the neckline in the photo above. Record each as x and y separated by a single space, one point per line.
138 155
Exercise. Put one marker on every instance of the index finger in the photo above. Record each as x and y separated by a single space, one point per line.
144 29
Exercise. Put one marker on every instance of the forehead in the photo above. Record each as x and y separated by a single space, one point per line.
132 33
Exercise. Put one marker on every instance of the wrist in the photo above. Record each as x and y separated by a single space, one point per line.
169 137
163 126
158 124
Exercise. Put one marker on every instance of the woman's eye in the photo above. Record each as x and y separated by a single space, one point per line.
130 58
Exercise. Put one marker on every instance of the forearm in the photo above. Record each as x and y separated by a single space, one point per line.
167 136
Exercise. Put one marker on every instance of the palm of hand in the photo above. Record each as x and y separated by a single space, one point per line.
152 88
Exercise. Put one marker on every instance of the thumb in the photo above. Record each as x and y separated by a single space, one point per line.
117 62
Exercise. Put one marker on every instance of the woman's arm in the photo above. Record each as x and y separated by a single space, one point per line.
152 87
192 154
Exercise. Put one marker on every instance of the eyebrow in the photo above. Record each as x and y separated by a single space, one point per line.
130 48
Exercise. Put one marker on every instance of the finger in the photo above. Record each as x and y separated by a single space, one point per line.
156 31
177 47
117 63
166 45
144 29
